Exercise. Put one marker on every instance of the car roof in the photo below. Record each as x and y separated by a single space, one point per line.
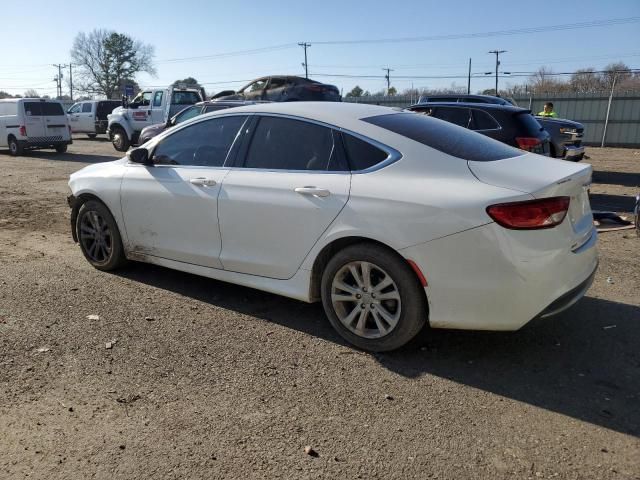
488 98
479 106
333 113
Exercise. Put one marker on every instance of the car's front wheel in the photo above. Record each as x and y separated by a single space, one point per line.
99 237
120 140
373 298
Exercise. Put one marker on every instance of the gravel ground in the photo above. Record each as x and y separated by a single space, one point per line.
209 380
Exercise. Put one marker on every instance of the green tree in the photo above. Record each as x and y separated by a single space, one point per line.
355 92
392 91
189 82
105 58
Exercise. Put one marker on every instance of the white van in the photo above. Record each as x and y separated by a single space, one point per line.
29 123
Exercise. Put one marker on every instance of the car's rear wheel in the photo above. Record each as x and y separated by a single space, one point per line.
120 140
99 237
373 298
15 149
61 148
92 135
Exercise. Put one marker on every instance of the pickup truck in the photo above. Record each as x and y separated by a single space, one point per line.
90 116
149 107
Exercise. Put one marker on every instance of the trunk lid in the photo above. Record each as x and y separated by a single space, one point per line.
544 177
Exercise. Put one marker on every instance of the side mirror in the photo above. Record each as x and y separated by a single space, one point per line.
139 155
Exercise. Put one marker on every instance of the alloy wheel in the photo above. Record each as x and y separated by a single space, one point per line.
96 237
366 299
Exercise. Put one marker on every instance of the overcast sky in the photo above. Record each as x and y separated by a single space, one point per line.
199 28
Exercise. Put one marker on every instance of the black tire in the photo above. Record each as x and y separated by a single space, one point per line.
61 148
107 254
120 140
413 309
15 149
92 135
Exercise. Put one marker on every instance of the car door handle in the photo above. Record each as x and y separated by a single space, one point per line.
315 191
203 182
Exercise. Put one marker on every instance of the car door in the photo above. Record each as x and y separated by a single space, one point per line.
276 89
73 114
86 118
170 208
141 115
34 120
158 107
274 206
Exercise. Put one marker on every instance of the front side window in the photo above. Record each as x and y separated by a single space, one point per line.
143 99
157 99
256 86
203 144
86 108
286 144
187 114
75 108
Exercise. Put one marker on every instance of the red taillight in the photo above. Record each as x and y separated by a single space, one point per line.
316 88
530 214
528 143
23 131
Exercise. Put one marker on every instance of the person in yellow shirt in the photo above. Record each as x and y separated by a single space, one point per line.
548 111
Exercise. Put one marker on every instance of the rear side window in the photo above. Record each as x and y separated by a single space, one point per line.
33 109
529 123
285 144
86 108
361 154
444 136
483 121
53 109
457 116
185 98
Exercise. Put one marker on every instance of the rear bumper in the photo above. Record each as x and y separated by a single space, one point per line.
573 153
44 143
490 278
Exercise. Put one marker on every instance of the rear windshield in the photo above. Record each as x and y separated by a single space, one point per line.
529 123
185 98
445 137
43 108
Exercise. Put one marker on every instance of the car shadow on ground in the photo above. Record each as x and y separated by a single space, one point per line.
68 156
625 179
584 363
613 203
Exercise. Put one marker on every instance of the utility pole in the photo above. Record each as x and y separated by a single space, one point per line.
305 45
71 81
469 78
58 78
497 52
387 76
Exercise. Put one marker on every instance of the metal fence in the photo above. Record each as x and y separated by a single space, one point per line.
590 109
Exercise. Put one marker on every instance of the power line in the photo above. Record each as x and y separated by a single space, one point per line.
236 53
517 31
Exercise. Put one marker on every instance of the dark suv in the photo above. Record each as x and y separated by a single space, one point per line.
566 135
284 89
508 124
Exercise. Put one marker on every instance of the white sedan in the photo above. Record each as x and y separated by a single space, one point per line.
392 219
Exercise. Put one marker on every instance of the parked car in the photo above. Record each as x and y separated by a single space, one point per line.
506 123
149 107
90 116
33 123
566 135
283 89
392 219
198 109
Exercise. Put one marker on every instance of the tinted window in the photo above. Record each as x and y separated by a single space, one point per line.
215 108
529 122
483 121
157 99
86 108
445 137
277 82
185 98
361 154
457 116
285 144
52 109
187 114
32 109
204 144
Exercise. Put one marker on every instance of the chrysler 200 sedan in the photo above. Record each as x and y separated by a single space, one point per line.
392 219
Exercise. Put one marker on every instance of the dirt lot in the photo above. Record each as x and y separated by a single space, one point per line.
209 380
